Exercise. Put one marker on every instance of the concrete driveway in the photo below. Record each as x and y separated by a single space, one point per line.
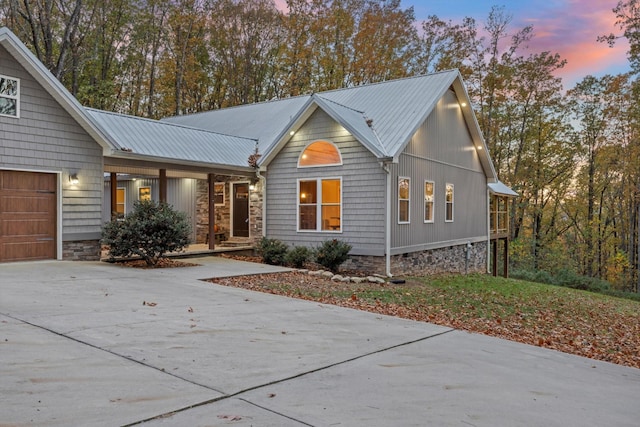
98 344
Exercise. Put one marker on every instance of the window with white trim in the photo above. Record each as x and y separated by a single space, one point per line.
403 200
448 201
320 204
320 153
9 96
428 201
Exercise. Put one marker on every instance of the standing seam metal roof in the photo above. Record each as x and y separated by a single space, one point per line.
171 141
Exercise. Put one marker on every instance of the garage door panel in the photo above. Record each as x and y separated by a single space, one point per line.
27 204
21 228
27 215
28 181
26 251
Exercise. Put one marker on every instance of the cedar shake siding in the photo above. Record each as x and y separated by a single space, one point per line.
363 189
45 138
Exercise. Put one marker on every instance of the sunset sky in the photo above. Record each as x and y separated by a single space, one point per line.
567 27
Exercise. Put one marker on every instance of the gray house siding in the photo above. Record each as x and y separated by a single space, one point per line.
181 194
46 138
441 151
363 189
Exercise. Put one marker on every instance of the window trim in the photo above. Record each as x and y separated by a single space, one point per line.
408 200
433 201
447 203
340 163
16 97
319 205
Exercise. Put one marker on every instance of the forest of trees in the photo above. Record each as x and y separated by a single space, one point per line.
572 154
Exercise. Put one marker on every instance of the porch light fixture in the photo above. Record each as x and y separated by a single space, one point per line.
479 147
252 187
463 104
73 179
292 133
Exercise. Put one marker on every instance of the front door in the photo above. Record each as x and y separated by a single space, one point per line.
240 209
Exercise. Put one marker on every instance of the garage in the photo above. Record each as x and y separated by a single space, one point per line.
27 215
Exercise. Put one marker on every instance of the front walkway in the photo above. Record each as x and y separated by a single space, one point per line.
101 344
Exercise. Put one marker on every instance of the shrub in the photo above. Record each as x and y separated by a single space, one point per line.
272 251
298 256
332 253
150 231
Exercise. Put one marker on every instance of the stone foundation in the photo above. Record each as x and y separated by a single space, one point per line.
81 250
450 259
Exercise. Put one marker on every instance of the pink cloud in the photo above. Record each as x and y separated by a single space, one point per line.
571 29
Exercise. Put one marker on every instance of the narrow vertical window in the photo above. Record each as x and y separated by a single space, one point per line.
449 203
9 96
428 201
403 200
121 199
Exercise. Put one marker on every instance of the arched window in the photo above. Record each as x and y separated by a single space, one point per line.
320 153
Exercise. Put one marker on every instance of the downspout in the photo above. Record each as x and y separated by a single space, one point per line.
387 249
263 186
488 231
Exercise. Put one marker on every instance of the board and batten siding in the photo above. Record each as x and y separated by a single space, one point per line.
441 151
45 138
363 189
181 194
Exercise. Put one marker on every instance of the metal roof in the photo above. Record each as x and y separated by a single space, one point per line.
500 188
261 121
396 107
174 142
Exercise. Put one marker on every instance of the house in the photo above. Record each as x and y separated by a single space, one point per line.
399 169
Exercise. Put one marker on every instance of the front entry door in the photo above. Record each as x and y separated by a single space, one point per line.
240 209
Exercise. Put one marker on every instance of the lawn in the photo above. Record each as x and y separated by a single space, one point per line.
572 321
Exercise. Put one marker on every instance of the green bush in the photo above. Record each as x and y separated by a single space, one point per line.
150 231
272 251
298 256
332 253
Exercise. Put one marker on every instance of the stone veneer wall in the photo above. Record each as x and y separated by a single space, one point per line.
83 250
450 259
223 213
202 210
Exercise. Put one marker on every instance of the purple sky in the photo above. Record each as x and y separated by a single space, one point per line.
567 27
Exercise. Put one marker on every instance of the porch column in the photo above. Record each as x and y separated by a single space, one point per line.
212 211
506 258
163 185
494 257
114 194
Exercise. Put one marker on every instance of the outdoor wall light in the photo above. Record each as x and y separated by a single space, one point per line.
73 179
252 187
292 133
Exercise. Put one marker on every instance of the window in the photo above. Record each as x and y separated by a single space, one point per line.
218 193
320 153
320 204
403 200
428 201
9 96
120 202
144 193
499 217
448 203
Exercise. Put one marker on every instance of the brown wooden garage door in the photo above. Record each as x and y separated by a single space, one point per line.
27 216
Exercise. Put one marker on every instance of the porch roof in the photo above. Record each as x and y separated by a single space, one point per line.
145 138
